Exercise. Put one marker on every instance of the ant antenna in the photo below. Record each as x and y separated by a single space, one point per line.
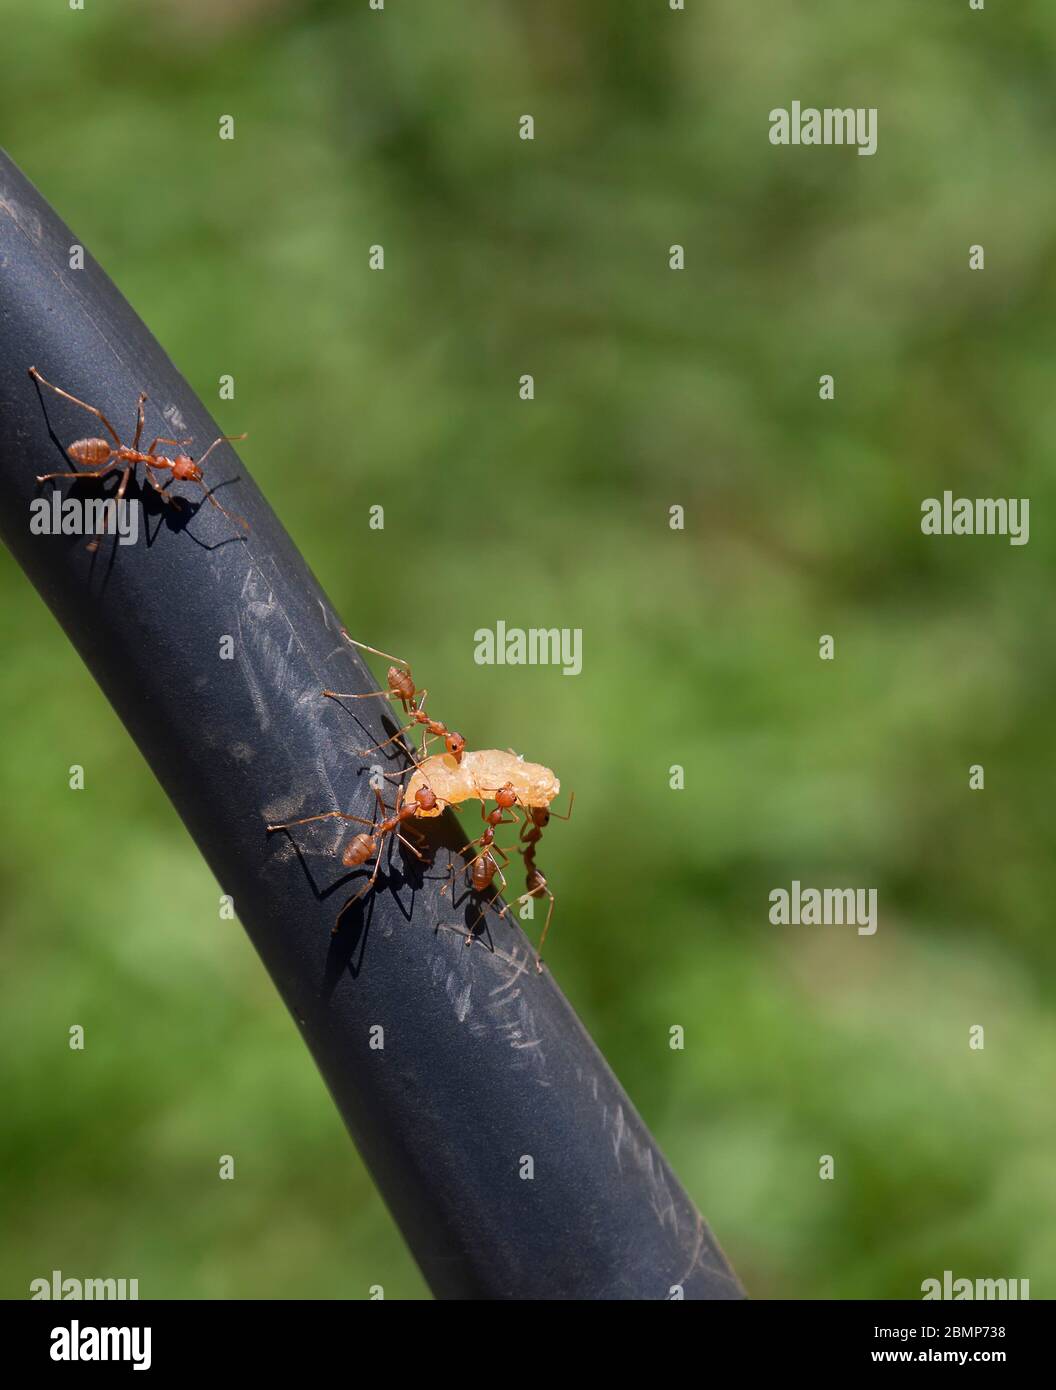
223 439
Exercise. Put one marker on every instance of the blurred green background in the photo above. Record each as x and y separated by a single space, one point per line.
653 388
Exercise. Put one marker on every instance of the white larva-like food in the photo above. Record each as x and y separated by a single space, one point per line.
479 775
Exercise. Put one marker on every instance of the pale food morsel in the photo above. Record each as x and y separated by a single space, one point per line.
479 775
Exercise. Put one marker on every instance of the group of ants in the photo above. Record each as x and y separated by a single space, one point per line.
99 458
483 868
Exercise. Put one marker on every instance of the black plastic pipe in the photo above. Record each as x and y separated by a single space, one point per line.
511 1158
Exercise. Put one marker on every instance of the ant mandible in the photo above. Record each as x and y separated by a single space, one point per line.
100 457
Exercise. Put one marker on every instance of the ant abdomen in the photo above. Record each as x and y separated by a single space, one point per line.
484 868
535 883
93 453
358 850
401 683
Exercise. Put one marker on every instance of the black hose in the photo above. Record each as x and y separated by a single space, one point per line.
485 1074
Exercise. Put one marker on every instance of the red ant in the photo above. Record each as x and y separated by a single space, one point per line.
101 458
364 846
483 869
483 866
402 688
535 822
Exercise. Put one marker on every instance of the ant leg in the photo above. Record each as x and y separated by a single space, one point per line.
366 695
450 876
363 647
490 902
546 928
231 516
378 746
93 409
452 869
119 495
399 732
355 896
470 843
411 847
160 488
568 814
325 815
402 773
177 443
139 420
365 889
98 473
498 849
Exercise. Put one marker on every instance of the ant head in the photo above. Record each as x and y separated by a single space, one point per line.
426 799
506 797
185 469
455 745
540 816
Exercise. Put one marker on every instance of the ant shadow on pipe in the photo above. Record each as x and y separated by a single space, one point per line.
348 934
348 942
395 751
175 516
475 916
399 869
475 932
348 939
172 510
410 874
